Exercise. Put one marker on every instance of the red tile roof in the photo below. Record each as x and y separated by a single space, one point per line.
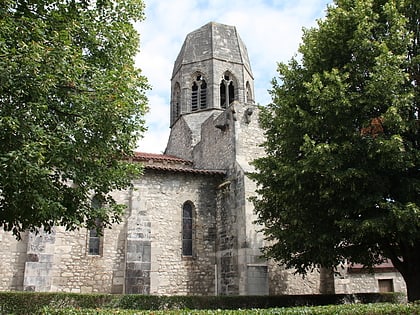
185 170
142 156
170 163
386 266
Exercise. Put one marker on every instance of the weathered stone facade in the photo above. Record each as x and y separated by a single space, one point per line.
214 136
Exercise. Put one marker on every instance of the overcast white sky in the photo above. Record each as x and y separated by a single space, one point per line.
271 30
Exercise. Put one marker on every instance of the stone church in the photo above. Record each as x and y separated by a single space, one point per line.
189 225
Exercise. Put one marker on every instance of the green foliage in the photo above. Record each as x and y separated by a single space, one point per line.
58 303
29 302
341 179
72 107
349 309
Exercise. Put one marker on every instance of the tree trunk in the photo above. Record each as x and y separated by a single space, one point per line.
326 285
409 267
413 286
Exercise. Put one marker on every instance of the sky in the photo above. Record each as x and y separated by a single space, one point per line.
270 29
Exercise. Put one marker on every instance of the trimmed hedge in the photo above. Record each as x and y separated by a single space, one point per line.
32 302
347 309
146 302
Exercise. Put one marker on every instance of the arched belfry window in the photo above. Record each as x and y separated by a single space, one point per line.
227 90
249 98
198 93
177 100
187 229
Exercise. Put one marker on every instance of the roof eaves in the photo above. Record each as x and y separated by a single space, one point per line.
185 170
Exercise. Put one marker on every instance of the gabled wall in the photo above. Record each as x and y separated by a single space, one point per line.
142 254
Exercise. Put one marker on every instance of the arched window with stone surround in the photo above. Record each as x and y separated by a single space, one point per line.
198 93
177 100
187 229
249 98
227 90
95 245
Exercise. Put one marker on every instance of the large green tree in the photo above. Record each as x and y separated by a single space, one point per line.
71 110
341 176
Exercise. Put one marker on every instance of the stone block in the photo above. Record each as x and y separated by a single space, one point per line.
30 288
119 273
118 281
117 289
32 257
134 256
85 289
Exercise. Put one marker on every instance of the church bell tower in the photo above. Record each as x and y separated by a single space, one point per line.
214 124
211 71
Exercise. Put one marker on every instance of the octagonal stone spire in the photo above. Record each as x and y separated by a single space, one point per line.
213 40
211 71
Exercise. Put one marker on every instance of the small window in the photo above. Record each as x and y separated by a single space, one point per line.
187 229
94 236
386 285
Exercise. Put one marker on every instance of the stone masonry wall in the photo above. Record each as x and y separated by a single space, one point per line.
159 196
227 241
77 271
349 282
185 134
248 136
138 250
140 255
283 281
180 140
12 260
39 263
60 262
216 149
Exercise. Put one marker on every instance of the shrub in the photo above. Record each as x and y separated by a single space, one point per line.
347 309
32 302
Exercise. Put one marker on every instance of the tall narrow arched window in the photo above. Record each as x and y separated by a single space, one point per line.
187 229
198 94
249 98
194 97
203 95
227 90
94 234
231 90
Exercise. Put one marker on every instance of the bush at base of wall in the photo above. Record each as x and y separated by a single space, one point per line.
348 309
32 302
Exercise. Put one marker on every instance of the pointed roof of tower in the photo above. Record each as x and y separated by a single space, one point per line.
213 40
